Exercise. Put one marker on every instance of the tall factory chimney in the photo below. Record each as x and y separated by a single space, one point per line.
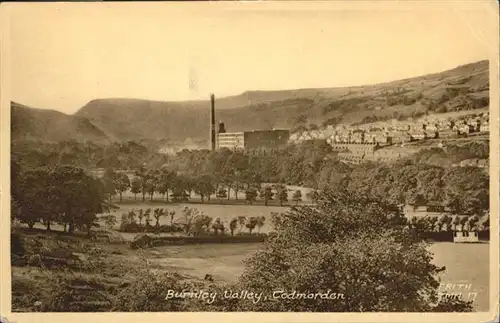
212 121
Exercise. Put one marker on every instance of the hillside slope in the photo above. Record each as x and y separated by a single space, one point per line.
465 87
51 126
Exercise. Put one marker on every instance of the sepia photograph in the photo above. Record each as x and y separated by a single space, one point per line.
321 157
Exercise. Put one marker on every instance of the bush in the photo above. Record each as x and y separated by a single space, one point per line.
73 294
147 294
131 227
24 294
137 228
18 261
166 228
35 260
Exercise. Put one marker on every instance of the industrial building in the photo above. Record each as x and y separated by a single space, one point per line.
255 141
233 141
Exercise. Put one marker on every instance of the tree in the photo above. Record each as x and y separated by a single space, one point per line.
152 183
109 221
463 221
157 214
147 217
433 221
266 194
349 244
218 226
109 180
233 225
140 216
189 216
76 197
251 195
261 220
443 222
131 216
204 186
251 223
297 196
485 225
179 187
456 222
122 184
221 193
143 177
167 178
34 195
201 224
171 214
242 220
282 193
135 187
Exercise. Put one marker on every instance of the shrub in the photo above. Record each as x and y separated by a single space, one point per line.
148 293
35 260
77 294
131 227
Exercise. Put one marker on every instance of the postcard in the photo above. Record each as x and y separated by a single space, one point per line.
274 161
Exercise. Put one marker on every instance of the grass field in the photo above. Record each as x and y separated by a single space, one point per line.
465 264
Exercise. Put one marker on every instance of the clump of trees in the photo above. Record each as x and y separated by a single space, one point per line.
115 183
63 195
198 223
462 190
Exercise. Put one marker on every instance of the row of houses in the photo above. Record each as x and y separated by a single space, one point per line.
398 132
357 153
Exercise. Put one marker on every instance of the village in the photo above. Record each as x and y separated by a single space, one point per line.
357 143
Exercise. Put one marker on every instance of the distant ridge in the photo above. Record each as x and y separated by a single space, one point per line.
51 126
464 87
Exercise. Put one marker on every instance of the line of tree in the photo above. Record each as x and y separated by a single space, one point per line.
177 187
192 222
447 223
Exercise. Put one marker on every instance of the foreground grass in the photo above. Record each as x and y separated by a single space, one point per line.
55 272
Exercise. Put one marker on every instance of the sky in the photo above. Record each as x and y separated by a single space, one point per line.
63 55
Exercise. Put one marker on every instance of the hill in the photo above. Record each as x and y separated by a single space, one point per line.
187 123
465 87
51 126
